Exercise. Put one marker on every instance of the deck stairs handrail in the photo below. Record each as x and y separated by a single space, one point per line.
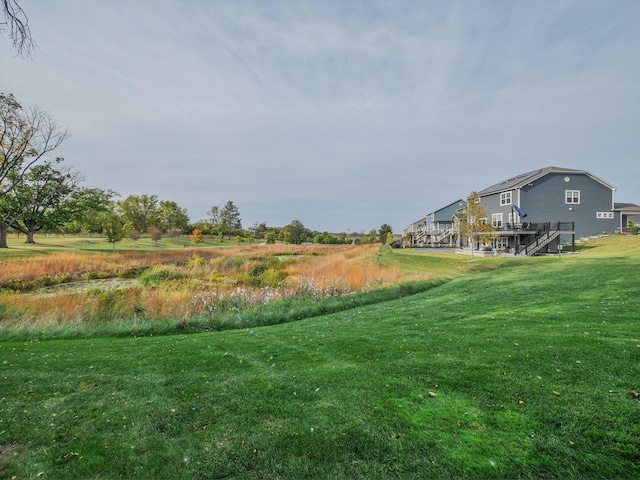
544 236
443 235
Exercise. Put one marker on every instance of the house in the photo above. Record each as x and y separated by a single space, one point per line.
437 228
627 212
538 211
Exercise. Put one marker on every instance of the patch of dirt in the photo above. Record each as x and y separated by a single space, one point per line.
7 453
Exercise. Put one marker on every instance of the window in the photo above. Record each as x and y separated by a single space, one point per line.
496 220
604 215
505 198
502 242
572 196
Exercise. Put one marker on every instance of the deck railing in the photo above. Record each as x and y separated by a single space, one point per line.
545 235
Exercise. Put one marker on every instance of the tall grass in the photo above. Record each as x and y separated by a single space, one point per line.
168 282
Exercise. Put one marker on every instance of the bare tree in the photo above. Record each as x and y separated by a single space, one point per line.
26 135
19 31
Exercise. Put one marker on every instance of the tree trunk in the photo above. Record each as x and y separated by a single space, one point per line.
30 237
3 234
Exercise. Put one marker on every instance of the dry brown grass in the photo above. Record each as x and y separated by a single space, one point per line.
353 266
79 264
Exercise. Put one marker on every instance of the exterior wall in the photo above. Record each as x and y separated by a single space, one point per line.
544 201
491 204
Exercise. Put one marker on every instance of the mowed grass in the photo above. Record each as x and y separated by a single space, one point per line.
523 371
51 244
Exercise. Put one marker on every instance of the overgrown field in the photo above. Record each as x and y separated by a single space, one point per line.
185 286
506 370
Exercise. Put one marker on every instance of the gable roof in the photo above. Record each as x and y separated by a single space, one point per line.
446 213
525 178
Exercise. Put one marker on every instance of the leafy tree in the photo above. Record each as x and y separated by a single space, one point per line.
296 232
113 229
371 237
389 238
171 216
230 219
259 230
27 135
473 222
140 210
197 237
385 230
270 238
35 202
85 210
203 225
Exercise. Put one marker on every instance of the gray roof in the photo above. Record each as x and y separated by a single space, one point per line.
525 178
627 207
446 213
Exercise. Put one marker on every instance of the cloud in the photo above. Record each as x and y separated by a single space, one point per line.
339 114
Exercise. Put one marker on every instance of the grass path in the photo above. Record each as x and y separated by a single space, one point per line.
520 372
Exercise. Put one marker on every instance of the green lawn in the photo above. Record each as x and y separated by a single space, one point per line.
522 371
66 243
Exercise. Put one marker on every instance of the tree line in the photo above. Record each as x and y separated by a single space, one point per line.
39 194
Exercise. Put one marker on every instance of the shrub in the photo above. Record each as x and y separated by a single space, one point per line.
197 236
157 275
195 261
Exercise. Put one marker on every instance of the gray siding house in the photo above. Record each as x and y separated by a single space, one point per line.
437 228
538 211
627 212
550 202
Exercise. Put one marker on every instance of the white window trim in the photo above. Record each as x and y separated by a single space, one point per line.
506 198
575 195
496 220
605 215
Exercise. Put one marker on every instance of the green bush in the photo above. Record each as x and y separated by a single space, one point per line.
157 275
272 277
194 261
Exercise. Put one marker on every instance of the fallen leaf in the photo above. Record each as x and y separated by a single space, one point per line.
635 394
556 393
433 394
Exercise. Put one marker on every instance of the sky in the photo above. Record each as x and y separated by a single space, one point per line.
344 115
